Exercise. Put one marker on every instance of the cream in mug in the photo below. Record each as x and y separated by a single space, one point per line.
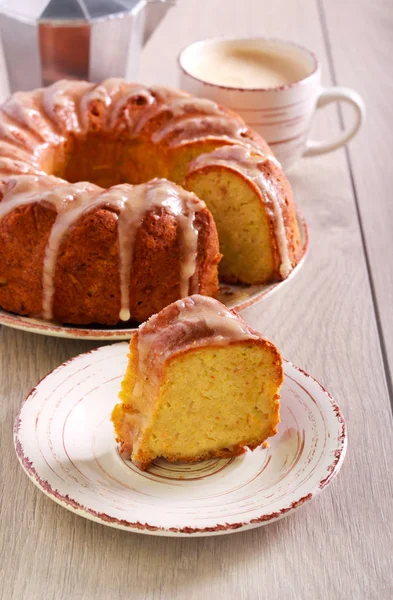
247 66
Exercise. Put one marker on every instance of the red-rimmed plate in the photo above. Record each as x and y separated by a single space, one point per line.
233 296
65 442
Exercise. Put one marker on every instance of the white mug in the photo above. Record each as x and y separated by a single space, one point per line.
281 115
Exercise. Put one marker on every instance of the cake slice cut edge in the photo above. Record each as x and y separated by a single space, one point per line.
200 384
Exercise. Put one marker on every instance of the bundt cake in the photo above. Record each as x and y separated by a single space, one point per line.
200 383
77 253
251 202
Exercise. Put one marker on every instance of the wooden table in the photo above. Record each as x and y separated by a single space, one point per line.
335 319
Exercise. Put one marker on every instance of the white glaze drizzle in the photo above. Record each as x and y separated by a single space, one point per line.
32 120
167 95
246 161
120 105
13 133
184 106
71 201
192 128
13 166
61 102
9 151
184 206
196 321
67 103
225 325
24 108
177 106
134 202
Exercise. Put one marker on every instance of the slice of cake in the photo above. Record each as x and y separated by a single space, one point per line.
200 383
252 205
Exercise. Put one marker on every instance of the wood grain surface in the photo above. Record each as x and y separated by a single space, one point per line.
328 320
360 43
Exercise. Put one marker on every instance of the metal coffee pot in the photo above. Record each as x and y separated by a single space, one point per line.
47 40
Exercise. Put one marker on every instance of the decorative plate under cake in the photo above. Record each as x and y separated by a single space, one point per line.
65 442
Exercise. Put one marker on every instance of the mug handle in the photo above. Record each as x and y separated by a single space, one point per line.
338 94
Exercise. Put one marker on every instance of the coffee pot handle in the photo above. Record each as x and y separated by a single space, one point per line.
338 94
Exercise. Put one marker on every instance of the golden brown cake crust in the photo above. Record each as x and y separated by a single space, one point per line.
108 133
87 273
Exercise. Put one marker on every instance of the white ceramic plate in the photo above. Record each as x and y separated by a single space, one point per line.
65 443
233 296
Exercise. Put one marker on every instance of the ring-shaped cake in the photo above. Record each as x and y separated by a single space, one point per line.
94 224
